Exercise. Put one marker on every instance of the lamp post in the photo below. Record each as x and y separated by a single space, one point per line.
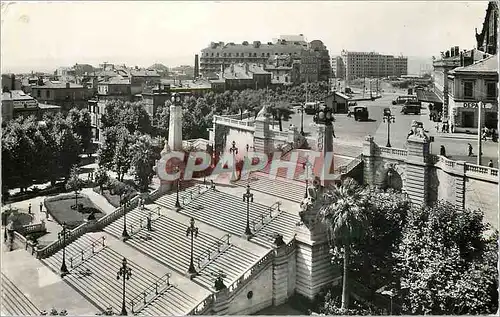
64 268
233 150
124 273
125 234
193 231
177 203
301 110
248 197
305 166
389 118
176 98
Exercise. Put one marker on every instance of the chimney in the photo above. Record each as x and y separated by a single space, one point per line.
246 68
13 82
457 51
447 54
196 67
67 85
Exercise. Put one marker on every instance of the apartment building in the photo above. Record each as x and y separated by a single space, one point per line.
64 94
373 65
467 86
16 103
338 67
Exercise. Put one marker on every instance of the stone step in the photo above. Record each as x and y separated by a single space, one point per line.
102 287
282 189
177 303
14 302
208 210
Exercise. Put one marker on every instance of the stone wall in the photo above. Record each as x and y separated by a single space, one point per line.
480 194
262 294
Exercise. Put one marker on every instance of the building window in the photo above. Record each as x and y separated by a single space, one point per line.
217 54
468 119
224 54
39 93
47 93
491 90
468 87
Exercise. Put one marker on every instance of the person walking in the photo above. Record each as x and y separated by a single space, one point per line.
41 207
469 149
29 209
490 163
442 151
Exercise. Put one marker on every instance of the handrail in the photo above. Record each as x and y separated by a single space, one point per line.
91 248
265 217
217 248
197 189
150 293
140 221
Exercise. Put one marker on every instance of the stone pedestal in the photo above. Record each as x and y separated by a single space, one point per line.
261 138
314 268
369 161
293 133
221 302
324 144
417 169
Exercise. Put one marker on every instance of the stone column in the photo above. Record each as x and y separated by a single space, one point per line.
324 143
417 169
369 148
292 134
175 127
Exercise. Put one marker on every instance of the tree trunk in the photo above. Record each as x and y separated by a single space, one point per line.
76 200
345 291
279 121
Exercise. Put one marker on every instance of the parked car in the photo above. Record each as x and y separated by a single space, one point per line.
310 107
360 113
410 108
401 100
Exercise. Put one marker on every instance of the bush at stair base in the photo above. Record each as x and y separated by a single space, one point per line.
60 209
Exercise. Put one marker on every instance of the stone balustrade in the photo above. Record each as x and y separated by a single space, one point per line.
280 135
390 152
202 307
217 248
96 245
253 271
244 125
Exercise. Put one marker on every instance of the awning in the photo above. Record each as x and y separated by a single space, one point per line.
428 96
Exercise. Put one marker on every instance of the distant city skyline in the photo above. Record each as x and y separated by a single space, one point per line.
44 36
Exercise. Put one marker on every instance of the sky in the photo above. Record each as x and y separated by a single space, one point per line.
42 36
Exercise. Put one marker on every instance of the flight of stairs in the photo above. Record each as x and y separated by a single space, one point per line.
134 219
101 287
262 182
73 253
208 207
14 302
168 244
283 224
173 303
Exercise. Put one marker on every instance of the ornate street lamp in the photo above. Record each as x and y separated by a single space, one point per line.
324 115
177 203
176 99
233 150
248 197
124 273
125 234
389 118
301 110
64 268
193 231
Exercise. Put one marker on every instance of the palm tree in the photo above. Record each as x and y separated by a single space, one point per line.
343 212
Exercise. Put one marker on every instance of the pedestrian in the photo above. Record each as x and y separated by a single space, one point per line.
333 132
490 163
469 149
149 223
41 207
437 127
442 151
29 209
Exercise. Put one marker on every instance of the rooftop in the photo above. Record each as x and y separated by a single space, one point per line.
16 95
58 85
144 73
244 71
487 65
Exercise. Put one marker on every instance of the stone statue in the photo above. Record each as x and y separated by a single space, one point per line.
417 130
264 112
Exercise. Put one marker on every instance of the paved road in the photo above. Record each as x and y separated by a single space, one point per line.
349 131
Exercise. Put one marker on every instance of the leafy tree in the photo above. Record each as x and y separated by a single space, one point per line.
101 177
75 184
122 158
343 212
162 119
121 189
448 262
80 122
106 152
131 115
143 161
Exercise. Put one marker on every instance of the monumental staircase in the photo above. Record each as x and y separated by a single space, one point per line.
14 302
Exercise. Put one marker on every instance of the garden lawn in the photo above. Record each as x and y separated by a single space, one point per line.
60 209
114 200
